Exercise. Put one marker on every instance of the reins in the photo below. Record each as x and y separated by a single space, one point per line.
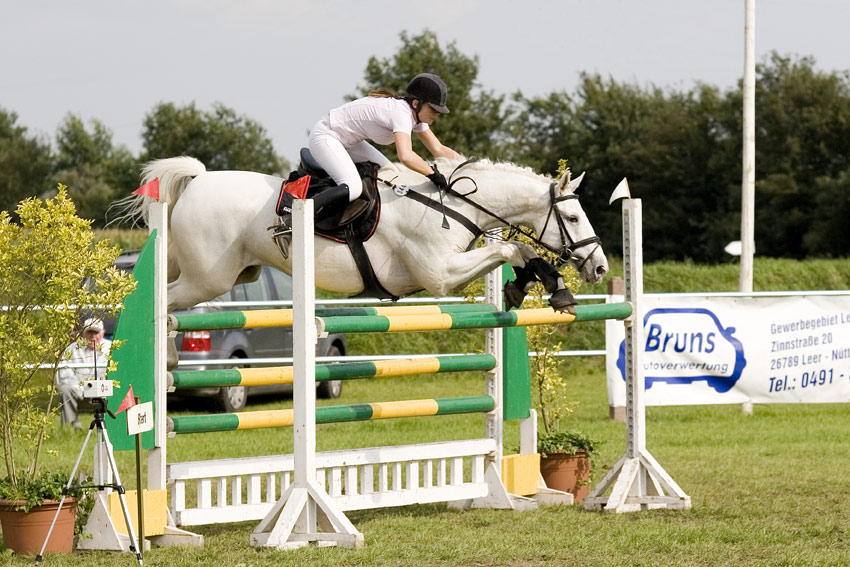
562 256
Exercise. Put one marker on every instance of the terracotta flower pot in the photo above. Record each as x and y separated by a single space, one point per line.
568 473
24 532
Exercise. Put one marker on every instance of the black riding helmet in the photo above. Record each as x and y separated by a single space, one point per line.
429 88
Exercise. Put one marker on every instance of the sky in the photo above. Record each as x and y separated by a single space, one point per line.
284 63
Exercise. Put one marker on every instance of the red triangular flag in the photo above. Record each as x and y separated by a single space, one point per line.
298 188
149 189
128 402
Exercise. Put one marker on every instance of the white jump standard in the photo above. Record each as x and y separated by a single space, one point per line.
637 481
295 518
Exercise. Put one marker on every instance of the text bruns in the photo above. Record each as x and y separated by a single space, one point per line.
656 340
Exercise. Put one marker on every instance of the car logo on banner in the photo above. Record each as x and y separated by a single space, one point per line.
683 346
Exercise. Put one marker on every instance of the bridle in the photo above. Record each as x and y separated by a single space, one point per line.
568 245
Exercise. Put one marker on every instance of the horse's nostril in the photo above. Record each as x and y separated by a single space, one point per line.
601 270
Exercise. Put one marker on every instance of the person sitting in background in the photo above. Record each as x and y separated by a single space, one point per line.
93 349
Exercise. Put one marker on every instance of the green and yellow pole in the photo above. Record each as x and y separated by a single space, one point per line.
446 321
283 317
330 414
327 372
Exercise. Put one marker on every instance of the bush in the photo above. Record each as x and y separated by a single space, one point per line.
51 270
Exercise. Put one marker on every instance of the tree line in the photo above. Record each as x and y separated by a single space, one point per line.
680 149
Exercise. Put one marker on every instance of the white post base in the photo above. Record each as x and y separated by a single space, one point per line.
100 532
637 483
174 536
497 497
550 497
293 522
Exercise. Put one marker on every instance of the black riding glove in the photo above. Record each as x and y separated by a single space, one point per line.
439 180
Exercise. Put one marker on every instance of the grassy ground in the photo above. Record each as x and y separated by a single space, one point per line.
768 489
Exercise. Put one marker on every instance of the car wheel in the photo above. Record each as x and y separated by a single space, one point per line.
231 399
333 388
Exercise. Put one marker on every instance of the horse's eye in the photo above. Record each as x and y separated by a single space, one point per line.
573 219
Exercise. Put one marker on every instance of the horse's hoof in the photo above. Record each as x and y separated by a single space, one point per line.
563 301
514 296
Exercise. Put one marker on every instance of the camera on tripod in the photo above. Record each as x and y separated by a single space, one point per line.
97 389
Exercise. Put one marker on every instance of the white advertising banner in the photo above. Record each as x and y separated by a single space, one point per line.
730 350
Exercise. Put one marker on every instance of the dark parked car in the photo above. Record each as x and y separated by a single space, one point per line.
237 344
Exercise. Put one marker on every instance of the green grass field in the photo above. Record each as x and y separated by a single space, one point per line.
772 488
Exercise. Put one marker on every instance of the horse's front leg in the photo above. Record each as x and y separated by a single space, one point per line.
463 267
538 269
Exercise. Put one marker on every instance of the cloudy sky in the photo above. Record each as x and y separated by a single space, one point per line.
286 62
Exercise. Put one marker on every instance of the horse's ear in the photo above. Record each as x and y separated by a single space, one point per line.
567 185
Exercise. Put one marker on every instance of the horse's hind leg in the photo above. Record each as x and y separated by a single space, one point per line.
173 268
185 292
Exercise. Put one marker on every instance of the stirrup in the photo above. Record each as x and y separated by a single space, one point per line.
282 234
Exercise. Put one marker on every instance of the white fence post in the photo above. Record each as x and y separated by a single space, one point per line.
637 481
294 519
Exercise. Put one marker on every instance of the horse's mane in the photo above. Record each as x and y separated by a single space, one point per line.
448 165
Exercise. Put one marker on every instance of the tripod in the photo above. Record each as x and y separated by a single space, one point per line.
102 440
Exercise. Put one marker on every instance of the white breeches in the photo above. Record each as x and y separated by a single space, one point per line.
339 161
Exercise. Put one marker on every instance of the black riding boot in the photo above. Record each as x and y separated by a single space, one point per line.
325 204
330 201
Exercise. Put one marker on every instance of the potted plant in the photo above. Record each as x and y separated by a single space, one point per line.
27 511
565 456
50 271
565 461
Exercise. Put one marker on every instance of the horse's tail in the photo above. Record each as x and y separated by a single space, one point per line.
174 175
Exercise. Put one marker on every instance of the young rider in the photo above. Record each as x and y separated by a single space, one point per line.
340 137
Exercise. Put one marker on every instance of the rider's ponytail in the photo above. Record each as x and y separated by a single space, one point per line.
383 93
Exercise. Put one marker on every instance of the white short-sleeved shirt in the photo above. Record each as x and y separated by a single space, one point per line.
81 353
372 118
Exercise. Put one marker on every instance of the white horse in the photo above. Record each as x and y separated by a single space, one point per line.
219 230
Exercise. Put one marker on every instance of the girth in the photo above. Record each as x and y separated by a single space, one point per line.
371 286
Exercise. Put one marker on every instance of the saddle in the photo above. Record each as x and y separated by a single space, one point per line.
352 225
359 219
